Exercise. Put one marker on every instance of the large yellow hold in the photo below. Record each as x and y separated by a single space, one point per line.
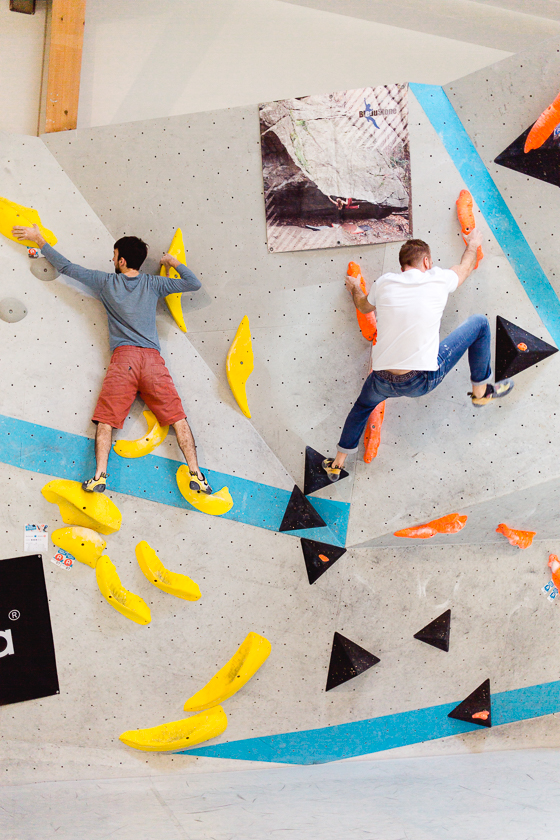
179 734
155 435
171 582
83 543
241 667
78 507
173 301
240 364
127 603
16 215
215 504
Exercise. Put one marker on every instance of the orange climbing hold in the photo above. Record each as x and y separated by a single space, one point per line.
554 564
465 214
522 346
368 323
323 558
522 539
372 436
481 715
449 524
543 127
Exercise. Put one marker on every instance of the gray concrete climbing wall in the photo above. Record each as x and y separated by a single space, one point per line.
203 173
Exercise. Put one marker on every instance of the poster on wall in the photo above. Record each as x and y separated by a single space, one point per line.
27 659
336 169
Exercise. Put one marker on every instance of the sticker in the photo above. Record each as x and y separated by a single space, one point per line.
36 538
63 559
550 591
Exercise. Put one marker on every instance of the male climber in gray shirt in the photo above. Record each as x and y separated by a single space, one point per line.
130 299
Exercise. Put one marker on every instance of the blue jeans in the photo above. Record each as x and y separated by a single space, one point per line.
473 335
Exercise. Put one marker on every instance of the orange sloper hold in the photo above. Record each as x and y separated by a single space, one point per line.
543 127
554 564
522 539
372 436
368 323
449 524
465 214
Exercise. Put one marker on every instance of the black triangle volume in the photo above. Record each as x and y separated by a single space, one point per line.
348 660
476 708
319 557
300 513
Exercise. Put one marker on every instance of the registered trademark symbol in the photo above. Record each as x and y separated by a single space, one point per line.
13 615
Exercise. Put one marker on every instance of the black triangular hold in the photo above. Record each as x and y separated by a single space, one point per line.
436 633
477 703
542 163
517 349
347 661
300 513
319 557
315 476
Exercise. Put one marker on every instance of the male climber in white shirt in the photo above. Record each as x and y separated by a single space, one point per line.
408 359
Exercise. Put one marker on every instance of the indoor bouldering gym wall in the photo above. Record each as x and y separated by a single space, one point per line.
174 664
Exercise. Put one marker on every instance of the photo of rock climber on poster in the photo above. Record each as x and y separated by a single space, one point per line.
336 169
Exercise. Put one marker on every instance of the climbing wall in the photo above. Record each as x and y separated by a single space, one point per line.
437 455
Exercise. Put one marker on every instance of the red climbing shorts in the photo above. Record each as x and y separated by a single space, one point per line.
136 370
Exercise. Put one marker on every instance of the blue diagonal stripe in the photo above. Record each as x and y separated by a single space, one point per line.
478 180
363 737
65 455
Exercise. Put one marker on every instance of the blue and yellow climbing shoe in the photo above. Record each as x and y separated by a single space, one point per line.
198 483
95 485
493 392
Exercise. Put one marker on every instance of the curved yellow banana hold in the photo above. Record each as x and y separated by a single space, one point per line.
178 734
127 603
83 543
155 435
77 507
173 301
171 582
12 214
245 662
240 364
216 505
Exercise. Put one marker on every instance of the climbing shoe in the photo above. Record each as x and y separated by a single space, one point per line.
198 482
332 472
95 485
493 392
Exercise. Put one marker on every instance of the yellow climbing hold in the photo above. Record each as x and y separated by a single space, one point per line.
155 435
173 301
83 543
240 364
216 505
127 603
241 667
78 507
179 734
171 582
16 215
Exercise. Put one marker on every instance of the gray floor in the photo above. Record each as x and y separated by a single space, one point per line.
511 795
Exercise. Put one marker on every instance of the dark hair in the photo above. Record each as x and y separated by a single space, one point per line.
132 250
413 251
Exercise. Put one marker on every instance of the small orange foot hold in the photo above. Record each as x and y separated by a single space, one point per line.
449 524
481 715
554 564
323 558
522 539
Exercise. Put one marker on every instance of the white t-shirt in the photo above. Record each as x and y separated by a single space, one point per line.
409 307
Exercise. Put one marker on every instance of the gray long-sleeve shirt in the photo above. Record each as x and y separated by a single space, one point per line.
130 302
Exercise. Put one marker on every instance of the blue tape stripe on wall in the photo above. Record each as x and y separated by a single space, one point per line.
56 453
460 148
332 743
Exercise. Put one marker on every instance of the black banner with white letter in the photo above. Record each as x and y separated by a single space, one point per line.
27 659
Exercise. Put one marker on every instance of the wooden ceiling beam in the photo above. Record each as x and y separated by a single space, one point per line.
63 62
